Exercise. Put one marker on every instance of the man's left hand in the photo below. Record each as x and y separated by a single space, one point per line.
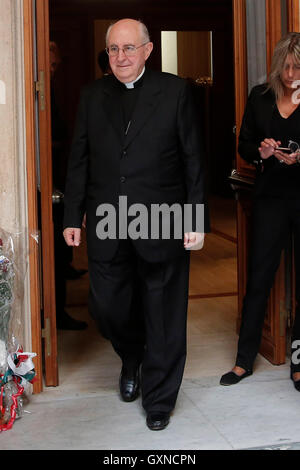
193 240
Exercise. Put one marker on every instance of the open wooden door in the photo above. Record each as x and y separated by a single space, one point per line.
258 25
44 151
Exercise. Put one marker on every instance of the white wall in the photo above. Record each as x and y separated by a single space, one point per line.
13 201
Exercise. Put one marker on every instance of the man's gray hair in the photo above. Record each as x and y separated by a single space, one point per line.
143 28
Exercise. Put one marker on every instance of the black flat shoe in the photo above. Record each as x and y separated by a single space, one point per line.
296 382
157 420
231 378
129 385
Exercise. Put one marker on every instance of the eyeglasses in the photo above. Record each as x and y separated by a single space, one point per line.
128 50
292 147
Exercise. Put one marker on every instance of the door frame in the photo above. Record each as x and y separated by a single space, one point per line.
42 279
273 345
34 269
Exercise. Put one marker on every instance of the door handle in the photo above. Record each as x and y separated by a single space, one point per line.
57 196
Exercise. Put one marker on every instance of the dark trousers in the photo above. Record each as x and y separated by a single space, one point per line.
141 308
63 257
273 221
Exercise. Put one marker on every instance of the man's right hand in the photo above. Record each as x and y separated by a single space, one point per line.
72 236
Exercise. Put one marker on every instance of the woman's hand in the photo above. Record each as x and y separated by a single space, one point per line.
287 158
267 148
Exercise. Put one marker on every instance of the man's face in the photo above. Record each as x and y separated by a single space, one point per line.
124 33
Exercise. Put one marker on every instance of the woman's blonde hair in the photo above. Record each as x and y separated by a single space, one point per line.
289 44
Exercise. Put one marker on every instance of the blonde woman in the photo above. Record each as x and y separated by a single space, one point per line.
270 134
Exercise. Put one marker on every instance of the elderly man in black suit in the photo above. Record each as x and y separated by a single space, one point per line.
137 136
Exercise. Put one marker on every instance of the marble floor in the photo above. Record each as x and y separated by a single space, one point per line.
85 411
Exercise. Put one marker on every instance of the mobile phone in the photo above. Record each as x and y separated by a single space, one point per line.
284 149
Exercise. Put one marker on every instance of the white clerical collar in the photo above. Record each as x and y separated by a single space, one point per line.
131 84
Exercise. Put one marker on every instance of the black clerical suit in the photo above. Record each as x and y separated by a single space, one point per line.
143 144
276 212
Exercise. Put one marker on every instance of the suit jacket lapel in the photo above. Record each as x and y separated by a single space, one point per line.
113 108
148 99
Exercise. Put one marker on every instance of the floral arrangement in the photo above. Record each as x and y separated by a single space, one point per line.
16 367
7 275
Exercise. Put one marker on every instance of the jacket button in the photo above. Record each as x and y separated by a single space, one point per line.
122 179
124 153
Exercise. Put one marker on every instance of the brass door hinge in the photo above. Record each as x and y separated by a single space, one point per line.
40 88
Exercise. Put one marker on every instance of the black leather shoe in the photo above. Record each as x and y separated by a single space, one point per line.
295 382
157 420
129 385
231 378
